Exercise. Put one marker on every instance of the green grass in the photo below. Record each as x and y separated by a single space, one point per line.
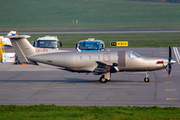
91 15
80 113
134 39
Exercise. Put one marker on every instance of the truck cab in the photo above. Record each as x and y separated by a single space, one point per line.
50 42
90 45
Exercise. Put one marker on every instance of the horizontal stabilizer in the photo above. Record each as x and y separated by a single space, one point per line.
11 33
19 37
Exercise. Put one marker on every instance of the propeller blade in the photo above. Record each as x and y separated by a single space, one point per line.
165 69
170 57
169 70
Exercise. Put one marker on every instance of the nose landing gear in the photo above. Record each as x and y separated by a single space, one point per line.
146 79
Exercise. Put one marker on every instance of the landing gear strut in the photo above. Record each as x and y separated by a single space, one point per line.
105 77
146 79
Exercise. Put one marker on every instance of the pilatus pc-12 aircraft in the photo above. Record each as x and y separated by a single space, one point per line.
98 62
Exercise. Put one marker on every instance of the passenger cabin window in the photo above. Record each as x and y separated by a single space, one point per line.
134 55
117 57
89 57
80 58
98 57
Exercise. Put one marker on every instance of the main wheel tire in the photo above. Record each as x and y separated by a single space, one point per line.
102 79
108 80
146 79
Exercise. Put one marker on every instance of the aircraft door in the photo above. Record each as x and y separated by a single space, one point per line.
106 57
122 59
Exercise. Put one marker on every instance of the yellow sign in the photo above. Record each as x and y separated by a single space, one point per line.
119 43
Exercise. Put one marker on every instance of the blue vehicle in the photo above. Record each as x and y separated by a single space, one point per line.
90 45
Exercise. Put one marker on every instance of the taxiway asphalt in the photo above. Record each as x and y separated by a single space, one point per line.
30 85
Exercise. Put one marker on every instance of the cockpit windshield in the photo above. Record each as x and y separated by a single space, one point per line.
134 55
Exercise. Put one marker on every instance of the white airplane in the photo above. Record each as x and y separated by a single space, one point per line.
7 40
98 62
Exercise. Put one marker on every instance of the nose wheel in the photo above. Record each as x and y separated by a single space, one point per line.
146 79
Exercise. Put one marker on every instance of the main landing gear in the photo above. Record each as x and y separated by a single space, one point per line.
104 78
146 79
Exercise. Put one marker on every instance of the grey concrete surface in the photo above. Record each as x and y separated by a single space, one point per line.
30 85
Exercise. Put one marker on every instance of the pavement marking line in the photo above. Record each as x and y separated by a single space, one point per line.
62 75
78 89
115 87
162 49
50 75
64 83
171 99
163 55
60 83
127 75
176 54
5 89
86 98
25 89
20 99
14 84
138 73
174 48
34 89
92 89
73 75
167 76
169 82
39 88
163 52
64 87
124 83
42 82
170 90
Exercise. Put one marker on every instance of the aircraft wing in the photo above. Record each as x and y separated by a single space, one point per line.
104 68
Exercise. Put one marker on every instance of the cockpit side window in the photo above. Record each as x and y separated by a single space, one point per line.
134 55
137 54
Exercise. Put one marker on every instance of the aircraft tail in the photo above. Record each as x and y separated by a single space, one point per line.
11 33
22 47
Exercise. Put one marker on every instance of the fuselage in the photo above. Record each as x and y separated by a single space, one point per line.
86 61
